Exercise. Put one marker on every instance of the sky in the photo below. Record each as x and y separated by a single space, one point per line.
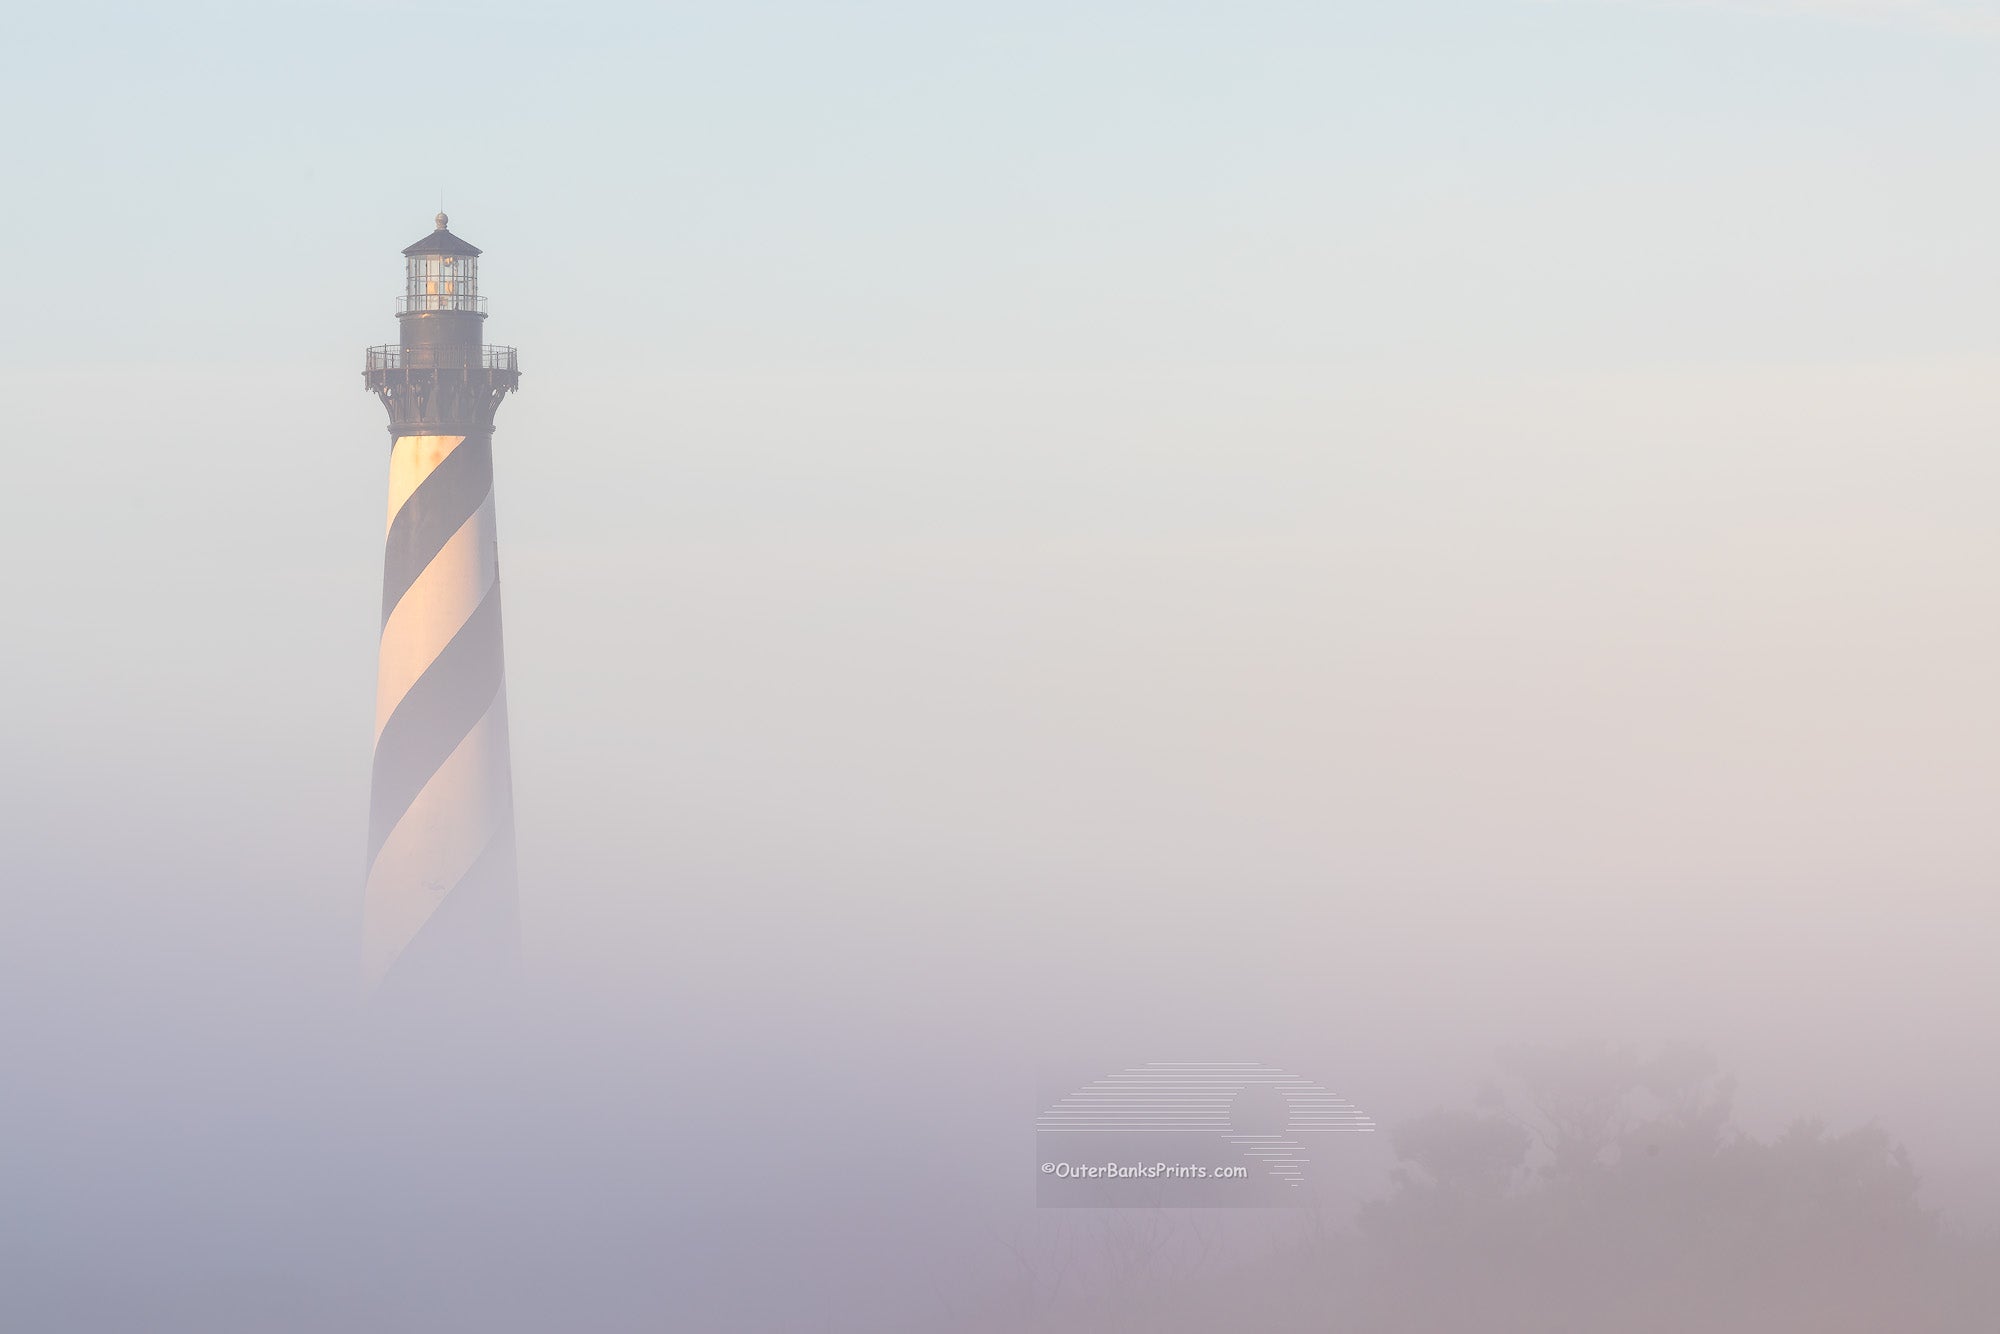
1345 533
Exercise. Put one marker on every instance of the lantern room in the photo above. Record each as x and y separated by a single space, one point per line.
441 272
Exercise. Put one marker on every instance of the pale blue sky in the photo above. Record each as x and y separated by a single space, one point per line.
1177 182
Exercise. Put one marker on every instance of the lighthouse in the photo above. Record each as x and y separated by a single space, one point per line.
441 912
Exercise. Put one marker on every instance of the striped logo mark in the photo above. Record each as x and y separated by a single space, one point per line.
1262 1111
440 904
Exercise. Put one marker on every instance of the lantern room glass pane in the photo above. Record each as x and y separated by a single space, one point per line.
442 282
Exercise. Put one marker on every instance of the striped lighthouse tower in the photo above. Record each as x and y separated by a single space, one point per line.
441 914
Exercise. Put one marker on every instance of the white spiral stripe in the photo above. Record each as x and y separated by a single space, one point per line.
436 605
412 459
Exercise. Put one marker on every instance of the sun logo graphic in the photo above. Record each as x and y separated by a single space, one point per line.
1188 1133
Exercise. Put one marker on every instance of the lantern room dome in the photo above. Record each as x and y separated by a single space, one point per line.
442 242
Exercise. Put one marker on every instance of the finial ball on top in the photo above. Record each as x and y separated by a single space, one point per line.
442 220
